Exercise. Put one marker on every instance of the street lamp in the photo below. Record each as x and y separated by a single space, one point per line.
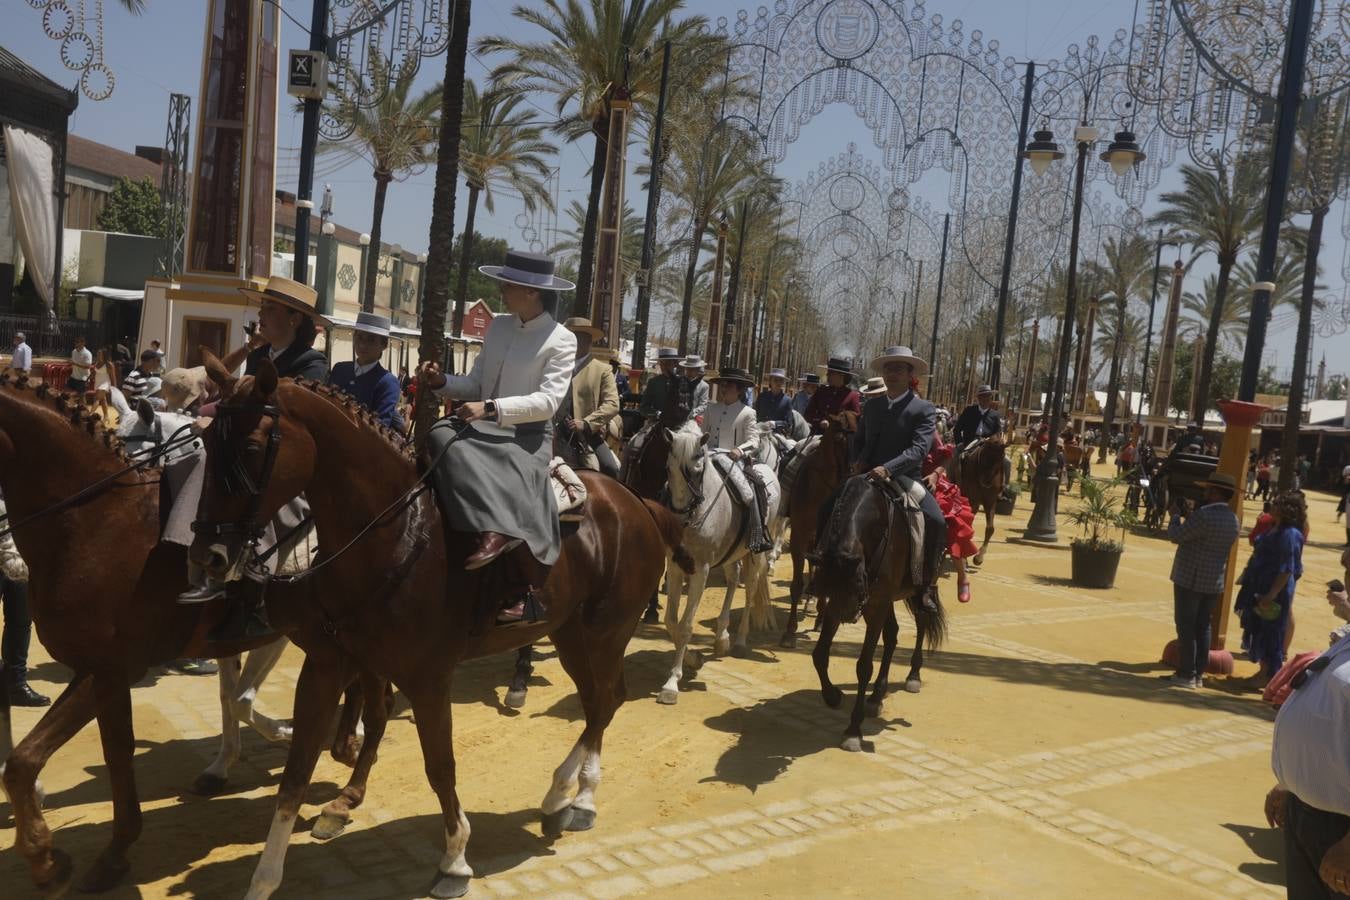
1042 151
1123 153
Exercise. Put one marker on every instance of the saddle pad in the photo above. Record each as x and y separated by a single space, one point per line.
793 467
909 494
568 489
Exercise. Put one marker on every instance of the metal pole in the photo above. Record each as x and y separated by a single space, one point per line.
914 313
942 274
1286 122
995 366
1148 338
644 296
309 142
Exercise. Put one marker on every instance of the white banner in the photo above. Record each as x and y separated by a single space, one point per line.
34 204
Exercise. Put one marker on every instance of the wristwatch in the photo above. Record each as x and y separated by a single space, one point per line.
490 407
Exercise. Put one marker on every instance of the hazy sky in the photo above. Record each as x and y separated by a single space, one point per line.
160 52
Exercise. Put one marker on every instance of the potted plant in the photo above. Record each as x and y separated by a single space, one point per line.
1096 556
1007 501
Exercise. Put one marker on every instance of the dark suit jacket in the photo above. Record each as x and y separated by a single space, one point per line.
969 422
294 362
897 437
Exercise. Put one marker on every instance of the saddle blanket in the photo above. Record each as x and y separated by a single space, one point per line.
568 490
907 494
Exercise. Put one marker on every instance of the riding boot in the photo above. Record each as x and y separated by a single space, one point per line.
204 587
932 567
758 541
246 616
18 689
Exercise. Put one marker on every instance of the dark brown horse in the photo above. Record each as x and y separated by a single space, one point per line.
393 598
822 472
980 477
103 605
865 564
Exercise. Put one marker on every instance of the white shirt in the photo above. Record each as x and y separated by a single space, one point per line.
81 364
23 358
526 367
1310 753
891 401
728 425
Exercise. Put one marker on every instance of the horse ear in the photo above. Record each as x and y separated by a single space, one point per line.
145 412
265 380
670 435
703 439
215 369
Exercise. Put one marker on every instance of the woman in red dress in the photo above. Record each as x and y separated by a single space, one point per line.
956 509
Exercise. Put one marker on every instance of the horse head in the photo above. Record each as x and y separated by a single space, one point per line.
684 468
256 462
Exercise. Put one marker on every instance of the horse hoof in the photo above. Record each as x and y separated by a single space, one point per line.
208 785
740 651
788 641
556 823
833 697
582 819
53 879
515 699
447 886
978 559
328 826
852 744
668 697
102 876
651 617
346 752
872 708
913 685
722 646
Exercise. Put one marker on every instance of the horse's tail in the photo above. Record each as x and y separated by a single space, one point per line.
933 623
672 534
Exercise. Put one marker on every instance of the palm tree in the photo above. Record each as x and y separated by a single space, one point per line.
1218 212
1198 309
500 145
1126 267
592 51
396 135
441 236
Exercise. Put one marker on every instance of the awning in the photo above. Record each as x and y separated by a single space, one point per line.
108 293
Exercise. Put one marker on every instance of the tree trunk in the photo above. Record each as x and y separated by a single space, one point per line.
1293 416
465 251
586 265
687 303
442 233
1113 383
382 180
1206 367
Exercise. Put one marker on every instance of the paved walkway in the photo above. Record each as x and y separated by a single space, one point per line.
1043 759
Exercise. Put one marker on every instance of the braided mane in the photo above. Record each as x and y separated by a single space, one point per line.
69 407
357 411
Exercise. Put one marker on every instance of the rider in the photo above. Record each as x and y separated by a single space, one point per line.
773 405
978 420
898 431
1193 441
373 386
691 389
593 399
835 397
807 383
656 388
493 479
729 425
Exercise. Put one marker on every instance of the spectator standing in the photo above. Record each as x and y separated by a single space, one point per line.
105 381
1263 478
81 366
1304 470
142 381
18 627
1265 602
21 358
1204 539
154 345
1251 475
1264 523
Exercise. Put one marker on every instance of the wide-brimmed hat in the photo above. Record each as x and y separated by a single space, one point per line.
734 376
810 378
875 385
670 353
529 269
372 323
582 325
841 364
984 389
189 383
608 354
693 361
901 353
290 293
778 373
1221 480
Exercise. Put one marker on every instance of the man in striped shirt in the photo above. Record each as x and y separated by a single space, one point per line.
142 381
1204 538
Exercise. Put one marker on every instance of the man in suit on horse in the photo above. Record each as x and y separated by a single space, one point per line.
807 384
978 420
835 397
374 386
593 399
773 405
691 388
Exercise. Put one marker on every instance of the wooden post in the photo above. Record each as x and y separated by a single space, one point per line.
607 288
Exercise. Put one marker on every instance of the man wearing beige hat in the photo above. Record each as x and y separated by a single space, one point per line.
592 400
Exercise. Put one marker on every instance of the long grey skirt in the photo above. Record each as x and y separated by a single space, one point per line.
492 482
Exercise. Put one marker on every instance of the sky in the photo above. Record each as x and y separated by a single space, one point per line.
159 53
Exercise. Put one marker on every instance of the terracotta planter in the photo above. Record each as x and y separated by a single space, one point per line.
1095 567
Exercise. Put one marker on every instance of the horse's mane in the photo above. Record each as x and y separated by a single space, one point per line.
67 406
358 412
839 541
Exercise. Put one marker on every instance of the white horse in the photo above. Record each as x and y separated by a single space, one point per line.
714 535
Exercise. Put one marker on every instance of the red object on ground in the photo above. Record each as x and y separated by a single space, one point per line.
1279 688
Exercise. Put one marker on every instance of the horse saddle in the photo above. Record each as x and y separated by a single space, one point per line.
906 494
568 491
791 464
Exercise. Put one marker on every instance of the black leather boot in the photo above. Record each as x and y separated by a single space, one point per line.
20 692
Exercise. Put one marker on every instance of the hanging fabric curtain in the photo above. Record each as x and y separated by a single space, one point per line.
33 200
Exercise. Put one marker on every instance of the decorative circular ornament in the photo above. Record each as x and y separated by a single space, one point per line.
847 193
98 82
845 244
77 50
847 29
38 4
58 20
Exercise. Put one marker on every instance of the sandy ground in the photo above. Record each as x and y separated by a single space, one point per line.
1044 758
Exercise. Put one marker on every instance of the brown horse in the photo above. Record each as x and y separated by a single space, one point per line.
865 564
394 599
980 477
103 605
822 472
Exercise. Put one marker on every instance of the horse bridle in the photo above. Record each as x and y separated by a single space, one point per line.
236 478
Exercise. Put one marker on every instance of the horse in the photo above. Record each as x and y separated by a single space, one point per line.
864 563
980 477
60 470
714 536
402 607
824 467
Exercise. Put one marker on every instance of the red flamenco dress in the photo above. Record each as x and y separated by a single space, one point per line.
955 508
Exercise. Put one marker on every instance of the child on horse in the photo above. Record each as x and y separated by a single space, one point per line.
729 425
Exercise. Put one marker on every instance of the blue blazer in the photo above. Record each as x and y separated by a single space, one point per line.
897 437
377 390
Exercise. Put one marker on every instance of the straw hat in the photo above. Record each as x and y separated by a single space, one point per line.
290 293
184 385
875 387
1221 480
901 354
582 325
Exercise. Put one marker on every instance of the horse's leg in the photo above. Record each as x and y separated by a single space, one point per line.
431 711
50 868
256 669
320 684
731 573
520 679
675 584
670 691
890 635
789 638
989 508
820 655
213 777
118 738
349 736
914 680
335 816
853 735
